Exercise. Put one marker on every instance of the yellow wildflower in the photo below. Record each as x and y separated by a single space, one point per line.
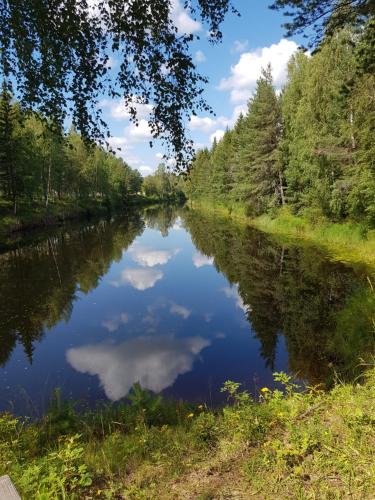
264 389
191 415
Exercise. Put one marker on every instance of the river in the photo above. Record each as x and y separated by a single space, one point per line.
177 301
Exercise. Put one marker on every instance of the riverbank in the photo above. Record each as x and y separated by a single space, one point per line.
348 241
284 444
14 227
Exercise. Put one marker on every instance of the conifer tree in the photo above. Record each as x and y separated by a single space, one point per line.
261 154
8 179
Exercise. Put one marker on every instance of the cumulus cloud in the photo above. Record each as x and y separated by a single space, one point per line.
218 135
118 110
239 46
138 132
242 81
145 256
145 170
114 323
232 293
140 278
182 311
206 123
200 260
154 362
181 19
119 142
199 56
203 124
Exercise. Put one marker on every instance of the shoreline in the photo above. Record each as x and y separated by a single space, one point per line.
348 242
15 228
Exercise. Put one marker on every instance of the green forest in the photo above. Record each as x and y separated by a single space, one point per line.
38 163
309 147
44 170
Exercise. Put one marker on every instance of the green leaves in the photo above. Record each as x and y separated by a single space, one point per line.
58 53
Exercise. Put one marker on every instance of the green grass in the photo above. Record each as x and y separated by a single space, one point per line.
345 241
288 443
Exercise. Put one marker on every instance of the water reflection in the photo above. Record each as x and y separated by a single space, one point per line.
149 257
114 323
232 293
323 309
239 301
154 362
39 282
140 279
201 260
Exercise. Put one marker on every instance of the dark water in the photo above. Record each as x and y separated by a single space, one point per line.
178 302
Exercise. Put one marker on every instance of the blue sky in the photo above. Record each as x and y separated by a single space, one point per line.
249 43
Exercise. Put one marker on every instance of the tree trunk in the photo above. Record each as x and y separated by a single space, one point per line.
48 181
282 196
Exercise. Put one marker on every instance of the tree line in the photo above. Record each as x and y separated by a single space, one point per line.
41 164
310 147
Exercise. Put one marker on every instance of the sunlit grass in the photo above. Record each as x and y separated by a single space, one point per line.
284 443
346 241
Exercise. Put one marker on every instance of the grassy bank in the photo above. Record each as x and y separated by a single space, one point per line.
285 444
347 241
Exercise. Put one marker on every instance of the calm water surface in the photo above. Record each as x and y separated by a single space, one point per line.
177 301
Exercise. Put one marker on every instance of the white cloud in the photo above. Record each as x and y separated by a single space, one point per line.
239 46
118 110
145 170
154 362
114 323
181 19
159 156
119 142
218 135
200 260
138 132
203 124
232 293
206 123
171 162
150 258
177 226
180 310
242 81
199 56
200 145
140 279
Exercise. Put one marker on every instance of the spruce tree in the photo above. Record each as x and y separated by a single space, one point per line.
261 153
8 181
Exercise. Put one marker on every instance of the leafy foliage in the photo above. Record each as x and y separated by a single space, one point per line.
59 53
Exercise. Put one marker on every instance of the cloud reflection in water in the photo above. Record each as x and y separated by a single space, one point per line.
140 279
154 362
148 257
